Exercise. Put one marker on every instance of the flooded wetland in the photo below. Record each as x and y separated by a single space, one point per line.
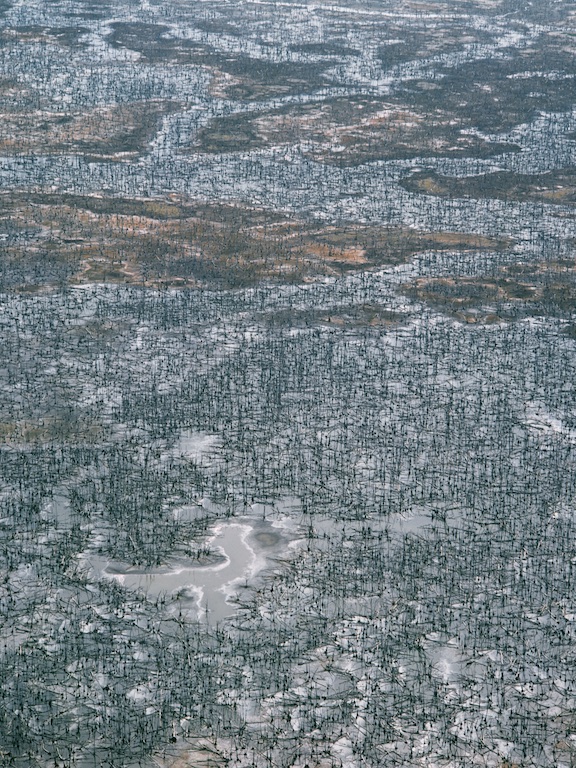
288 412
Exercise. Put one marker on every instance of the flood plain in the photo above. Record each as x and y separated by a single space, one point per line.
288 405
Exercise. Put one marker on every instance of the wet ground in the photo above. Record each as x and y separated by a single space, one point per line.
288 412
203 590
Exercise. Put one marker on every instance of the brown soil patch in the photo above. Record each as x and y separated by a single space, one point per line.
553 187
171 242
117 132
49 429
547 288
346 132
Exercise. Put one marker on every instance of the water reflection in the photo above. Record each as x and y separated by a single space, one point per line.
202 590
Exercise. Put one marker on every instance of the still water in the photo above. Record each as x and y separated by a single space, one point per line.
241 549
202 589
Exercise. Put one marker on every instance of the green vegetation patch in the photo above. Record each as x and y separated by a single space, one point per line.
557 187
250 78
494 95
110 133
88 239
348 132
519 290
